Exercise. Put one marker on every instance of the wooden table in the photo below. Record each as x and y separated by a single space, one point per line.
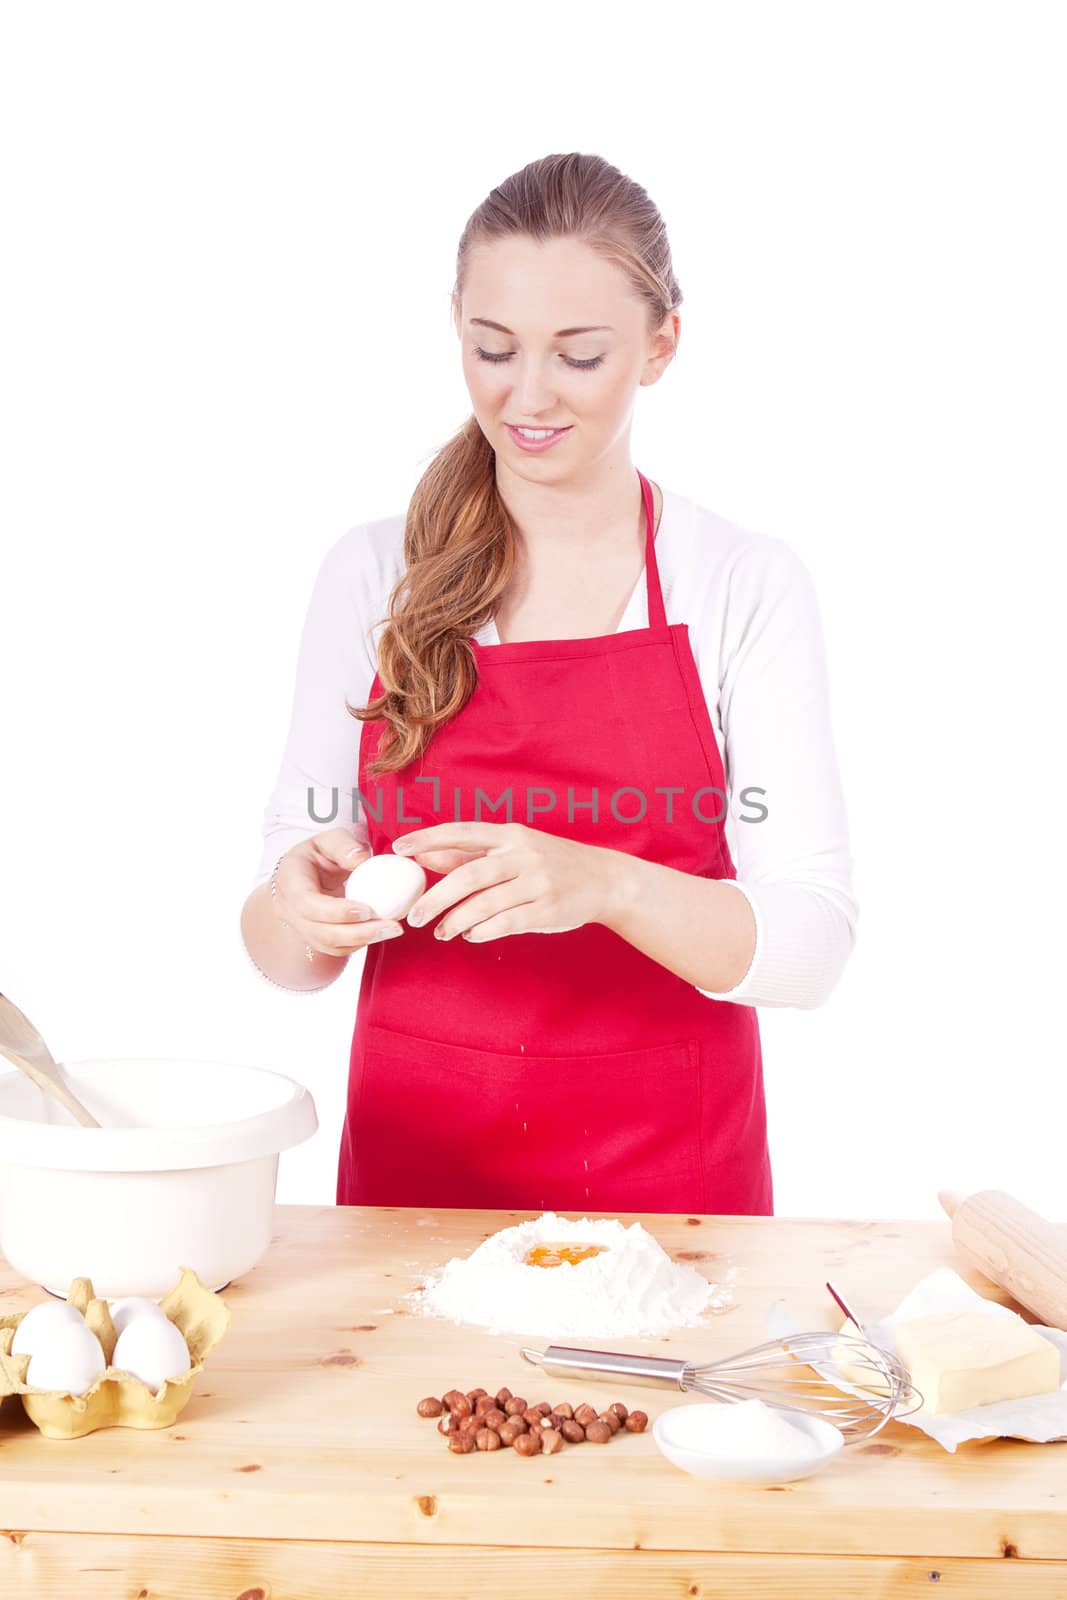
300 1468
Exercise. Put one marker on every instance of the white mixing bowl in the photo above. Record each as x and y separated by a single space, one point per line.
182 1174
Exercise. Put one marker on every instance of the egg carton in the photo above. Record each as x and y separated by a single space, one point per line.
117 1399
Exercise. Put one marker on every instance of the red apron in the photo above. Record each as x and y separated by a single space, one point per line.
560 1071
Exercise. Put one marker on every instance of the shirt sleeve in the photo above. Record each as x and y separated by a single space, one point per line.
794 864
316 786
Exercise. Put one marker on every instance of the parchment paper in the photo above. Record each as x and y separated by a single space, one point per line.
1040 1417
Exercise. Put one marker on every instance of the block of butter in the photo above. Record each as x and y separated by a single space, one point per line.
960 1359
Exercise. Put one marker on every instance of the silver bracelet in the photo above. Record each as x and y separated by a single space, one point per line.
308 952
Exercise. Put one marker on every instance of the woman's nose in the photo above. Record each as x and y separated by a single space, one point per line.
531 396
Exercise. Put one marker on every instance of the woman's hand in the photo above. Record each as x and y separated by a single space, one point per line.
515 880
310 896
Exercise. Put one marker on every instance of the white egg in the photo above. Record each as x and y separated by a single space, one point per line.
389 885
152 1348
123 1311
38 1322
70 1360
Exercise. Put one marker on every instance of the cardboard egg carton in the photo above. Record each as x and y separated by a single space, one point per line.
117 1399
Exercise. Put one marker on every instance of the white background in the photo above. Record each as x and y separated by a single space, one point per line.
230 241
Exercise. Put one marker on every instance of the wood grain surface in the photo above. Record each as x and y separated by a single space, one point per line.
300 1467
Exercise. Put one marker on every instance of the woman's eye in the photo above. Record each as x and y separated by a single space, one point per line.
587 366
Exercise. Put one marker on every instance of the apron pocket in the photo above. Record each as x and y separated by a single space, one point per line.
441 1124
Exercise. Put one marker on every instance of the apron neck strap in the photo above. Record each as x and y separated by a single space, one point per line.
657 613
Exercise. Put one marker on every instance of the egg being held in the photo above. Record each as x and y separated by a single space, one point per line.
37 1325
69 1360
135 1305
152 1348
389 885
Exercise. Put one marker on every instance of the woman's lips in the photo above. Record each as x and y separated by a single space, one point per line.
535 445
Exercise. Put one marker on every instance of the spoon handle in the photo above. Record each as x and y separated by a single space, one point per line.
54 1086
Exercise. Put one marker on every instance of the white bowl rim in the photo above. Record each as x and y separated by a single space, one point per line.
74 1148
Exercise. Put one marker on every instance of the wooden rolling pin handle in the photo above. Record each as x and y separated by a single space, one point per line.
1015 1247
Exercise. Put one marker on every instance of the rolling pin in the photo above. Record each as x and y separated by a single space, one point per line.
1013 1246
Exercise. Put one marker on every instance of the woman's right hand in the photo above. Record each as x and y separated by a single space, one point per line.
309 896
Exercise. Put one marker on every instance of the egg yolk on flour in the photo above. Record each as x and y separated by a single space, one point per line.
554 1255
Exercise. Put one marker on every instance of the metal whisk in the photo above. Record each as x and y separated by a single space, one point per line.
888 1393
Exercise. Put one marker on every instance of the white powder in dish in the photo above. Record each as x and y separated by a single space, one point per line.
632 1287
741 1429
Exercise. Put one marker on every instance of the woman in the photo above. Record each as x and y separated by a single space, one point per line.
576 671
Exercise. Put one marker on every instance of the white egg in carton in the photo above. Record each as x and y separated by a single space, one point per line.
85 1363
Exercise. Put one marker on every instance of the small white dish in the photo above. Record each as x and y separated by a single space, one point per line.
725 1464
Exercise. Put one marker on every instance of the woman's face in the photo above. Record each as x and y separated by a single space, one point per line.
524 369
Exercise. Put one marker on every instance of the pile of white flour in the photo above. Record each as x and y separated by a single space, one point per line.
632 1287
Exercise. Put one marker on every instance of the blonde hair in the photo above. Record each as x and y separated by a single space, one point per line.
459 541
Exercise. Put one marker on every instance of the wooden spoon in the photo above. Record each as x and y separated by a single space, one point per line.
21 1043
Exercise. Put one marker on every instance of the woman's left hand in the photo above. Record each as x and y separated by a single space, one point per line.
514 879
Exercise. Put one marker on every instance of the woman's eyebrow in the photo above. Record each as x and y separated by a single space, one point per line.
564 333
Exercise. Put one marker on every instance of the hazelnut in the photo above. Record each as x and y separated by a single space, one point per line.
487 1439
619 1410
544 1408
611 1419
448 1424
527 1444
519 1424
430 1407
636 1422
584 1414
532 1415
551 1441
508 1433
598 1432
474 1395
461 1443
554 1420
494 1418
515 1406
484 1403
572 1431
469 1424
564 1409
457 1403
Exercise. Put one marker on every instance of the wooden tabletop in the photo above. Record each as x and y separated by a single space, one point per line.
300 1463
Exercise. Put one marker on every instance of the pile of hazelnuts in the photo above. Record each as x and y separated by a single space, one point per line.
479 1420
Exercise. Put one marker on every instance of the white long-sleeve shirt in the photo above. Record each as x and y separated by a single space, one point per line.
756 636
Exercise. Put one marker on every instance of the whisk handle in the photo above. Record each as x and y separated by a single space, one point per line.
566 1361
